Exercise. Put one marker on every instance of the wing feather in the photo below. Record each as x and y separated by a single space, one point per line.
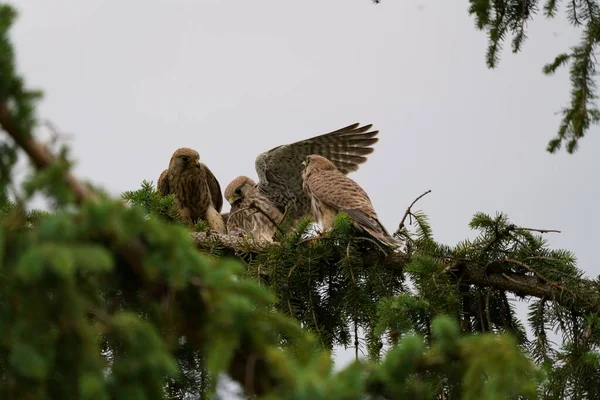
364 220
346 147
214 187
162 185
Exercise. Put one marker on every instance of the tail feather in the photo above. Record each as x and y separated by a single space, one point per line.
384 237
372 226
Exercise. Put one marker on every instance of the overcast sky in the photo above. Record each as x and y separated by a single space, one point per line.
134 80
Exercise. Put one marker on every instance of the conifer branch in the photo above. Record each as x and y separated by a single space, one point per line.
468 273
526 285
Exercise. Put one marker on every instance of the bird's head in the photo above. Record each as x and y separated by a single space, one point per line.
238 188
185 158
315 162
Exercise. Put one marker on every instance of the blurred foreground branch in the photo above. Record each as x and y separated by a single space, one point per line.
248 366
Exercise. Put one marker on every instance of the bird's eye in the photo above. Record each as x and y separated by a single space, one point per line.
185 158
238 191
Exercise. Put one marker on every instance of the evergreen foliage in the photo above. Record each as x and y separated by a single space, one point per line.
501 18
107 298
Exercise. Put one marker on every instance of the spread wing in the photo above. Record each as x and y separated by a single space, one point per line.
347 148
162 185
214 187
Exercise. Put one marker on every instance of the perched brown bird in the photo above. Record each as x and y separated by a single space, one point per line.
251 211
196 189
279 169
330 192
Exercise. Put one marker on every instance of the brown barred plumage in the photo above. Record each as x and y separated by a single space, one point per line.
330 192
248 209
197 191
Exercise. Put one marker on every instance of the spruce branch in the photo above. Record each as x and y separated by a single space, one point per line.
468 272
502 17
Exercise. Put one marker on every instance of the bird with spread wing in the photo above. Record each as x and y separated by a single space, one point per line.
279 185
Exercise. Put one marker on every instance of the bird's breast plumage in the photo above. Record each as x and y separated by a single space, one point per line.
191 190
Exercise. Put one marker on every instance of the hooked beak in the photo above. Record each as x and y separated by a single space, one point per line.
197 164
304 164
233 199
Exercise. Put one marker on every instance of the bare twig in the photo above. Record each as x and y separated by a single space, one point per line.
538 230
408 212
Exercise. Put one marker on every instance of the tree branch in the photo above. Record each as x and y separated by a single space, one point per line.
408 212
39 155
538 230
586 296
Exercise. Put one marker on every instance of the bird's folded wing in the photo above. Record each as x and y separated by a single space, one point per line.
214 187
365 220
162 185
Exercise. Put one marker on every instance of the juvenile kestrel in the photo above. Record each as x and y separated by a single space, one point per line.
248 209
279 169
330 192
196 189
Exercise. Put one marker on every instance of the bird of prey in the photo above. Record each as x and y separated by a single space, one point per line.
197 191
251 211
330 191
279 169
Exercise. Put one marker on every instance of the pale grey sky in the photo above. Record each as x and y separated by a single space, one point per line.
134 80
